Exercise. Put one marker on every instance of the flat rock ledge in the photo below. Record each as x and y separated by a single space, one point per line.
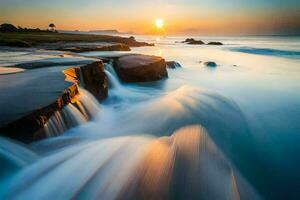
28 126
87 48
140 68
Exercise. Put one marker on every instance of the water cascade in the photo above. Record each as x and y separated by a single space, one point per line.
87 108
63 120
113 79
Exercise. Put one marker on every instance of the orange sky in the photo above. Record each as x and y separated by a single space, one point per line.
180 16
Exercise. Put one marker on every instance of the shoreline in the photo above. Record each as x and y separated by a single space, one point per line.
36 39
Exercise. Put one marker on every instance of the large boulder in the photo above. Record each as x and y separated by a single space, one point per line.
140 68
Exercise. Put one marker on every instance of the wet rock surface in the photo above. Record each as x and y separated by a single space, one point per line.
30 98
140 68
93 78
80 48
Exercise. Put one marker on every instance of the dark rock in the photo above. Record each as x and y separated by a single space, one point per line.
210 64
93 78
132 38
193 41
28 128
140 68
196 42
215 43
23 115
188 40
173 64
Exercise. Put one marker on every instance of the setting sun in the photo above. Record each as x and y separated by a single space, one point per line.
159 23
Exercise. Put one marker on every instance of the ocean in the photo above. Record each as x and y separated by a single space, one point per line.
225 132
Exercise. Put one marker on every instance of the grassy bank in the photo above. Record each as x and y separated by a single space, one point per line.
31 39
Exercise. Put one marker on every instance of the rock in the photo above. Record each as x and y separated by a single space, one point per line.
193 41
196 42
93 78
188 40
77 48
23 116
140 68
215 43
173 64
130 41
210 64
132 38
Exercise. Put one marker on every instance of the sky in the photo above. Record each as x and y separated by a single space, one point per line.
207 17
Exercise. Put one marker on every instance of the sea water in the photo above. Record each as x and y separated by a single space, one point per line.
228 132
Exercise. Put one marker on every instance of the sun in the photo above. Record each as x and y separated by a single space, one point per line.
159 23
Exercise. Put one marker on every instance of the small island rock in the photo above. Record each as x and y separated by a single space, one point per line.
210 64
193 41
215 43
173 64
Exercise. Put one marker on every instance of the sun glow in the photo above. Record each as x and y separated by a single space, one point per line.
159 23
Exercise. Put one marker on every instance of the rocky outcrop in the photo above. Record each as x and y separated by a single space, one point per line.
92 47
193 41
140 68
133 43
173 64
28 128
210 64
42 94
93 78
215 43
200 42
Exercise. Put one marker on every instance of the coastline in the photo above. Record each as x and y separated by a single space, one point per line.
36 39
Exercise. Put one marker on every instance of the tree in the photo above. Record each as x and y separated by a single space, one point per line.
52 27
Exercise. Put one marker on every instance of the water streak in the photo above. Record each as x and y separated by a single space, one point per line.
186 165
63 120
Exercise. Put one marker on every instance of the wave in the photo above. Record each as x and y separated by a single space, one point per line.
185 165
163 115
267 51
